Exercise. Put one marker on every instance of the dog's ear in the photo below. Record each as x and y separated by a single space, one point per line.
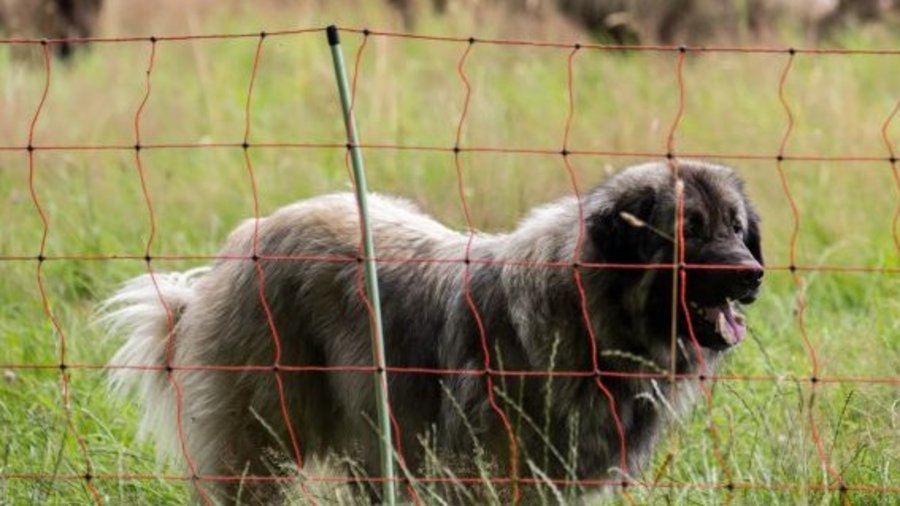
615 229
753 239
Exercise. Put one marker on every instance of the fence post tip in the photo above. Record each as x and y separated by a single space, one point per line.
332 32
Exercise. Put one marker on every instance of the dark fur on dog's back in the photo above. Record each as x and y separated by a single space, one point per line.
531 315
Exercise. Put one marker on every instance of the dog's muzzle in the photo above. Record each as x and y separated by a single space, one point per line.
715 299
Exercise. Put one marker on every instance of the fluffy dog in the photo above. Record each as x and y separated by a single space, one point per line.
530 311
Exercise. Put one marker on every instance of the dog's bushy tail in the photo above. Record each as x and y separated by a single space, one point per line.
145 311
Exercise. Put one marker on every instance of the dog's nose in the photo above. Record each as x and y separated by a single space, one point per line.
751 275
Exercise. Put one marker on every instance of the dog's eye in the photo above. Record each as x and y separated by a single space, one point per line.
693 228
737 227
693 224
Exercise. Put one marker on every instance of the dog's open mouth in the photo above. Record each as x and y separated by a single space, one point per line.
718 326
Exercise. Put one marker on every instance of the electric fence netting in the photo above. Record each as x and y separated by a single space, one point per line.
807 410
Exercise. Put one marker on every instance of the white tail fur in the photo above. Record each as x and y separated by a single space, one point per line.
145 313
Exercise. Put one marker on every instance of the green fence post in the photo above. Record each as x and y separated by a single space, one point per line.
371 274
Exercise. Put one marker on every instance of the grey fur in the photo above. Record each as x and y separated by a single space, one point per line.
531 315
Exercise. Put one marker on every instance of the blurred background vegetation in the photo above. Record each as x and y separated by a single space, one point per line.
620 21
411 94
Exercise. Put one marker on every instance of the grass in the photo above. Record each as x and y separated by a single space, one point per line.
410 94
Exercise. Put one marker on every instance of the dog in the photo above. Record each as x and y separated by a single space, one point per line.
588 284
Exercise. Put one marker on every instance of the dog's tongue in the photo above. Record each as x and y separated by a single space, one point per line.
737 327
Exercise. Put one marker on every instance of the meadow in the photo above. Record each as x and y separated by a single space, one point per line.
410 94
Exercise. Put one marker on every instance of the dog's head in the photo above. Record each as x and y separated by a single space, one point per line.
634 222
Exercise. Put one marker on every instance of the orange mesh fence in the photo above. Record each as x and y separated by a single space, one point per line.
730 484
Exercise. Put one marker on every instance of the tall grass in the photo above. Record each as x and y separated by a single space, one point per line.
410 93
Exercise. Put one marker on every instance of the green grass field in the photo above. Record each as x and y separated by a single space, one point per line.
410 94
